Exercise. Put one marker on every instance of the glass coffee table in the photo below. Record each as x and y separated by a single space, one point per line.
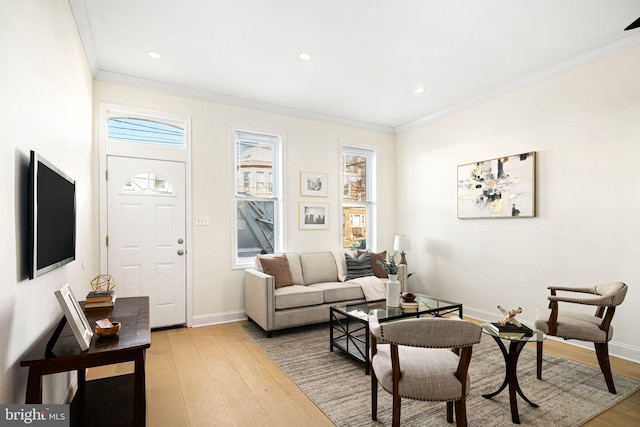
517 340
349 323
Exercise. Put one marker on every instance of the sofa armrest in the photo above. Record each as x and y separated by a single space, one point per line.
259 299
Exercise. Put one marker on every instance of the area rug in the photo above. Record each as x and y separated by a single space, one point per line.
569 394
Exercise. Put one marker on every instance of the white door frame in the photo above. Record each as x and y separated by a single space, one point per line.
127 149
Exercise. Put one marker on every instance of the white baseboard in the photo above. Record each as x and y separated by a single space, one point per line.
217 318
617 349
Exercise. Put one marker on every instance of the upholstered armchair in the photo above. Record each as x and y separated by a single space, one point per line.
423 359
582 326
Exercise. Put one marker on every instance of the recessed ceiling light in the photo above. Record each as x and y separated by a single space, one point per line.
304 56
419 90
153 54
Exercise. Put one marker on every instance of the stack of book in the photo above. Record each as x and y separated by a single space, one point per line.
511 331
409 306
99 299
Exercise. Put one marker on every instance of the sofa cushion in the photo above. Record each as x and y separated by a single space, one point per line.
297 296
338 291
378 271
318 267
341 262
278 267
359 267
294 266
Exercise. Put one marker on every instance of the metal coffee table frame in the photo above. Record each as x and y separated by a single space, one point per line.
349 324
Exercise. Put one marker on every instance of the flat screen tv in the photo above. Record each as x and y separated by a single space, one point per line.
52 217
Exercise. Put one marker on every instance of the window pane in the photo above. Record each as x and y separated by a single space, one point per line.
354 224
145 131
255 156
147 183
255 228
358 204
354 170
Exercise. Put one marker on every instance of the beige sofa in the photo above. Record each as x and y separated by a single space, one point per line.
318 282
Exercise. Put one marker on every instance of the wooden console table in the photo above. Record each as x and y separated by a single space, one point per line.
119 400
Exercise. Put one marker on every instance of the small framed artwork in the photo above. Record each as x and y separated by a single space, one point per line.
75 316
498 188
314 216
313 184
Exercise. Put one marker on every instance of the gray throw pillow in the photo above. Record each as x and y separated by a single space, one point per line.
358 267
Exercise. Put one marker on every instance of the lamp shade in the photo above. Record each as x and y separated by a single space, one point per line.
402 242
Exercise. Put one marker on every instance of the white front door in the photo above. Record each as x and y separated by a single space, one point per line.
146 253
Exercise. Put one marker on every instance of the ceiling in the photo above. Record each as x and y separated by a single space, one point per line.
367 56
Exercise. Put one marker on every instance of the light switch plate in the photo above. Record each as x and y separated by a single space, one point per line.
202 220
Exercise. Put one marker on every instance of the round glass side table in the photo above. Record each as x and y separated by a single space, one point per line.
517 340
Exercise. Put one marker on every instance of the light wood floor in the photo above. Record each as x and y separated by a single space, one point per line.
217 376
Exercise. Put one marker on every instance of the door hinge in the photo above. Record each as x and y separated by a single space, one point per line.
106 174
107 240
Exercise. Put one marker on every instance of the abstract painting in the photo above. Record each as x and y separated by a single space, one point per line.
498 188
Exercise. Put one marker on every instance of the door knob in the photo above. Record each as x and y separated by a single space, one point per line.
180 252
180 241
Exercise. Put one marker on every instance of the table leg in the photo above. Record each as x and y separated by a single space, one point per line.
512 364
82 378
511 378
345 330
517 346
367 345
331 317
139 391
34 385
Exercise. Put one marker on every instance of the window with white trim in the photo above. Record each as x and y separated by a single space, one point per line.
358 204
258 204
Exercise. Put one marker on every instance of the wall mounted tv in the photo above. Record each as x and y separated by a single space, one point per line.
52 217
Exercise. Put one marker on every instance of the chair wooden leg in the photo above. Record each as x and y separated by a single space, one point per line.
461 412
450 412
374 395
396 411
539 360
602 351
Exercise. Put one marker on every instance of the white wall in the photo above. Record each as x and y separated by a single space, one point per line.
309 146
585 127
46 106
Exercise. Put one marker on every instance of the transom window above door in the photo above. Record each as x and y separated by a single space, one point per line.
146 131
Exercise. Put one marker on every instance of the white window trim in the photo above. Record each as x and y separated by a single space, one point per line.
279 192
372 178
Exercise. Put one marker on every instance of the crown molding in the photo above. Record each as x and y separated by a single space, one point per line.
84 30
111 77
595 55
